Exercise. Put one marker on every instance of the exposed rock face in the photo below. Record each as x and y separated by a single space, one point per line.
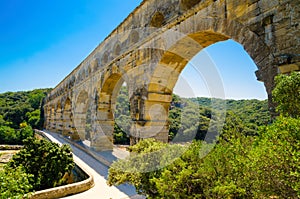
150 49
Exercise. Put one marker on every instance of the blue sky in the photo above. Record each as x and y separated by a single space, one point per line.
235 70
41 42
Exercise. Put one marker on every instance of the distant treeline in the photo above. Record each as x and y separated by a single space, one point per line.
191 117
249 160
19 113
188 117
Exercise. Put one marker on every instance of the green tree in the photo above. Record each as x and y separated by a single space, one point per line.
17 115
276 155
46 161
238 166
15 105
35 98
33 118
15 183
143 164
120 135
2 121
8 135
122 118
217 175
287 94
25 132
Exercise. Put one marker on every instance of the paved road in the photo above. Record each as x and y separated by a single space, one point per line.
99 171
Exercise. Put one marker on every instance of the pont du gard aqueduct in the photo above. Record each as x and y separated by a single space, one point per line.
151 47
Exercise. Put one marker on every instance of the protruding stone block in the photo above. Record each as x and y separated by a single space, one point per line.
289 68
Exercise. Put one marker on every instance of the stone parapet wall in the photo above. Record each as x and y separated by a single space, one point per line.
10 147
70 189
66 190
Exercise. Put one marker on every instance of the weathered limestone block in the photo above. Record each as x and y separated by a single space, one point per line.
156 97
152 129
100 140
289 68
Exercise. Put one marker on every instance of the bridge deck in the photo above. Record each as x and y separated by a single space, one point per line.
99 172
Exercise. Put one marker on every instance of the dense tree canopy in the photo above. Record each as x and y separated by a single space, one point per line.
287 94
122 118
253 158
19 113
190 118
18 107
15 183
239 166
40 164
46 161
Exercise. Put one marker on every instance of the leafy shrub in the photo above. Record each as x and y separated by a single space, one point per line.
15 183
46 161
287 94
239 166
9 135
276 158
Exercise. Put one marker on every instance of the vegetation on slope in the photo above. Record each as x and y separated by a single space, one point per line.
19 113
264 164
239 166
191 117
40 164
251 159
19 107
287 94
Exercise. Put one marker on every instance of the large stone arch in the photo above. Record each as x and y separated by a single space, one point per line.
52 118
80 113
48 118
109 90
176 57
58 117
207 31
181 50
117 49
102 137
67 117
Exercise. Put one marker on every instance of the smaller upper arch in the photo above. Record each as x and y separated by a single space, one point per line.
58 106
94 65
82 97
105 57
157 20
67 104
88 70
134 37
117 49
188 4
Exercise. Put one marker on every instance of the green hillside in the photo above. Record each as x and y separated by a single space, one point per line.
191 117
19 112
188 118
251 159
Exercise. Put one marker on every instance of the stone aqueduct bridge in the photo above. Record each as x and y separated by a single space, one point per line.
150 48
